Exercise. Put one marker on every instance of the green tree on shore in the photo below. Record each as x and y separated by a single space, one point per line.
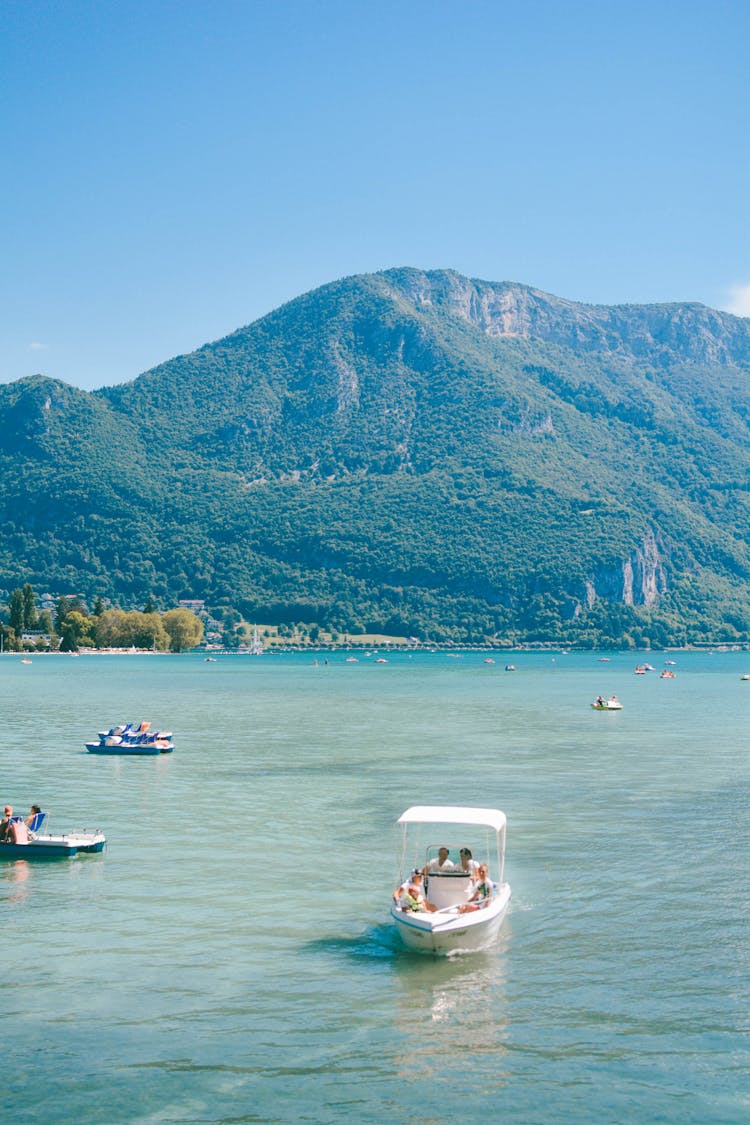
16 615
29 610
116 628
184 628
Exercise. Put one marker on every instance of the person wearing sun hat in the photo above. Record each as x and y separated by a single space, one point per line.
410 895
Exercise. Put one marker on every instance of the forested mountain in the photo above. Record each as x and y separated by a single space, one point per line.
407 452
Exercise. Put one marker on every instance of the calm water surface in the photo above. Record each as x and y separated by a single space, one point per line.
230 957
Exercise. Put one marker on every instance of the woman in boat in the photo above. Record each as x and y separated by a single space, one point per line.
33 821
468 864
35 811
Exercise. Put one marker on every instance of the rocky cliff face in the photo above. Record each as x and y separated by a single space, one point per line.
662 332
639 580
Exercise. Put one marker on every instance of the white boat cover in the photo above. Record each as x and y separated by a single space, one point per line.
453 814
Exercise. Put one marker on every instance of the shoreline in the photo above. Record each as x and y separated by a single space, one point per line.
379 647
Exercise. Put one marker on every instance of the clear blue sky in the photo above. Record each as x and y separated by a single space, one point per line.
174 169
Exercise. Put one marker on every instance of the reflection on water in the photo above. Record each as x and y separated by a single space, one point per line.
14 877
453 1014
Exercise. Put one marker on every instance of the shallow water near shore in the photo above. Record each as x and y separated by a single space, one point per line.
230 957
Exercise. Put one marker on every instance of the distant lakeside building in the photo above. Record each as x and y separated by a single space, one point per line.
32 637
195 605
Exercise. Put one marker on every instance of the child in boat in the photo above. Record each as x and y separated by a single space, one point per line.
409 895
483 891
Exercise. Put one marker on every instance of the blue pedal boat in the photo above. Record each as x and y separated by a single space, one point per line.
132 738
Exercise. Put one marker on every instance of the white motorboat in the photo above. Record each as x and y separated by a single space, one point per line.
452 924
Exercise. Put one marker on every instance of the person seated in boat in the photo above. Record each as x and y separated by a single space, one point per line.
467 863
5 824
483 891
18 831
600 701
441 862
400 893
410 895
34 819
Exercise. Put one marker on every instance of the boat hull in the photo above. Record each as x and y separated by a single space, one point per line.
448 933
65 846
140 750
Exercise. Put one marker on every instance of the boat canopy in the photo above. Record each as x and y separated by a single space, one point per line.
453 814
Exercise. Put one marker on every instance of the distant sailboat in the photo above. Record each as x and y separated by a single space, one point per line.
256 649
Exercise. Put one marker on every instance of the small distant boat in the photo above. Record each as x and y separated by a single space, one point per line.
381 660
611 704
489 660
667 674
352 660
510 667
745 676
132 738
26 660
670 661
209 660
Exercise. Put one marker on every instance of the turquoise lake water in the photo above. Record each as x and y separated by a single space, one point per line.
230 957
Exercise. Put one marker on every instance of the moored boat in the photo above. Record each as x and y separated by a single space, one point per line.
451 923
132 738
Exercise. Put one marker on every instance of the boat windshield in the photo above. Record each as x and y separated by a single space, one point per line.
452 839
